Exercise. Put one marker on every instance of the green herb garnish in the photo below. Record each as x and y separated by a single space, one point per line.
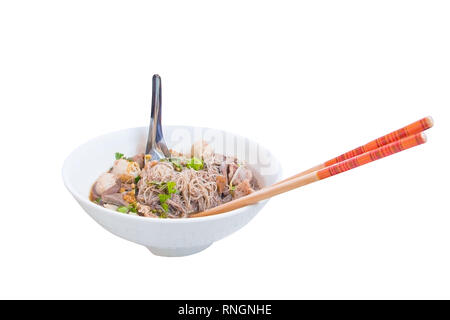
163 215
98 200
160 185
119 155
133 210
171 187
163 197
136 180
123 209
176 162
195 163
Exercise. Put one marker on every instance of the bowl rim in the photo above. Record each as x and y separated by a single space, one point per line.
85 200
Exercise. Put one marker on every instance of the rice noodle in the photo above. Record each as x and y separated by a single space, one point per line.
196 190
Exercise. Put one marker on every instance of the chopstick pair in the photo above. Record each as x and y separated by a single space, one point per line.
411 129
396 141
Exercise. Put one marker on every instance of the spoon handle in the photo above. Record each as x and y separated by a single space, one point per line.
160 142
156 139
151 140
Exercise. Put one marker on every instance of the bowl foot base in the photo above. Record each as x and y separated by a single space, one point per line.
177 252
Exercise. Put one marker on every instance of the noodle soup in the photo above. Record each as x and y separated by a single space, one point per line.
175 187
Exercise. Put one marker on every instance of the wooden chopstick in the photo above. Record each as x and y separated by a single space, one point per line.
296 182
413 128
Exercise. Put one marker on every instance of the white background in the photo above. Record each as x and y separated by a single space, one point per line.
309 80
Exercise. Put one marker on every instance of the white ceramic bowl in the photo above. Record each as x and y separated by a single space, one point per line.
165 237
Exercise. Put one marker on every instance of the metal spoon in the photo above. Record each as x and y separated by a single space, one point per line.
156 145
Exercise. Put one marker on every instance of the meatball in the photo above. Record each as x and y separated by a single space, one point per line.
107 183
124 167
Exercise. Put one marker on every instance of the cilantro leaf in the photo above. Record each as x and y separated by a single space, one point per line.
163 215
176 163
159 185
123 209
171 187
195 163
119 155
163 197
